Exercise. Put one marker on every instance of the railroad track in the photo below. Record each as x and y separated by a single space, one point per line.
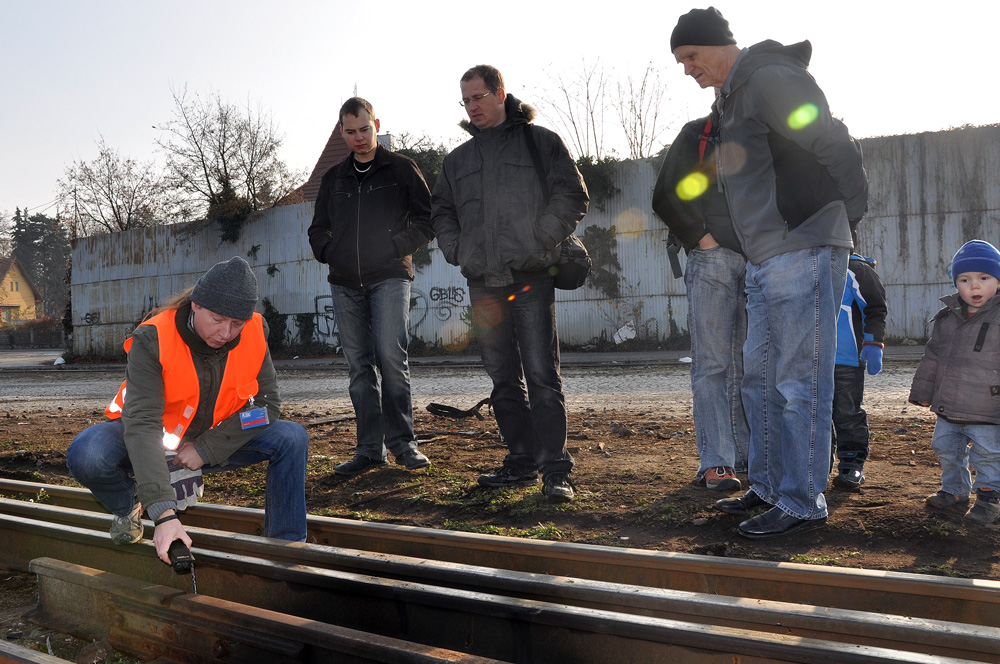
523 615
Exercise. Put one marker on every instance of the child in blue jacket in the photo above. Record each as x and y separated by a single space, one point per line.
860 340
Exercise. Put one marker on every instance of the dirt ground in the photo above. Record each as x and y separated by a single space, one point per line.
634 479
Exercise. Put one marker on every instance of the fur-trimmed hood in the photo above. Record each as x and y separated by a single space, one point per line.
517 112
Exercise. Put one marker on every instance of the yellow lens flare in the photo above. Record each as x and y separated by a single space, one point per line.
630 223
692 186
803 116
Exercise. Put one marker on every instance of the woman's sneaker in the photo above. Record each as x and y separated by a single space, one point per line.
942 500
987 508
127 529
722 479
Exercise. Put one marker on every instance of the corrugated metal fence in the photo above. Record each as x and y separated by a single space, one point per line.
929 193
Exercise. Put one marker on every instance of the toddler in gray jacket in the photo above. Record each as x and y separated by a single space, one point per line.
959 379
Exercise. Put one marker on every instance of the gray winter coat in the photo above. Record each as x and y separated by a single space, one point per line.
488 210
959 373
792 174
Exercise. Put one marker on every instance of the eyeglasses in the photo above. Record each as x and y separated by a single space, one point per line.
467 102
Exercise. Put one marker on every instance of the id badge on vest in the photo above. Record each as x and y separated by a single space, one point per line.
253 417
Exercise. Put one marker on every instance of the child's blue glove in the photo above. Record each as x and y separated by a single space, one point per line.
871 354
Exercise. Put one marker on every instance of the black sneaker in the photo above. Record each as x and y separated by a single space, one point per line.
558 488
504 477
849 478
413 460
359 464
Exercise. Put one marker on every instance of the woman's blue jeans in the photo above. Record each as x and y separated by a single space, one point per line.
98 459
717 321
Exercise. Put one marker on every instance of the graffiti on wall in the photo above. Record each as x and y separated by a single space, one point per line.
326 320
442 303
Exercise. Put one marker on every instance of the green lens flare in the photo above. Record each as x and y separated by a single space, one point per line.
692 186
803 116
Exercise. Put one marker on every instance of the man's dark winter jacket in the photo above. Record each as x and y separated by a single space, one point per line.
792 174
692 154
366 230
959 373
490 213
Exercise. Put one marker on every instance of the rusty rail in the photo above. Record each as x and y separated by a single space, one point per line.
969 601
289 578
152 621
177 627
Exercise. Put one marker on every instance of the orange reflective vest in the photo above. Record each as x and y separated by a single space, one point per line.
181 389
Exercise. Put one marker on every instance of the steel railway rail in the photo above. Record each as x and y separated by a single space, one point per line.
968 601
456 593
929 636
463 621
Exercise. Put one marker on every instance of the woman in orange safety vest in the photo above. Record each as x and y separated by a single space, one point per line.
200 395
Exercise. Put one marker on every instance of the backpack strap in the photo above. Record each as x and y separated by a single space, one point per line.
536 158
703 140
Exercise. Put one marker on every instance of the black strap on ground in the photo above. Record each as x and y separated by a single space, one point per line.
457 413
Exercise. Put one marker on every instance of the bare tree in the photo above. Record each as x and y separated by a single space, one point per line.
113 193
6 225
579 103
638 109
212 145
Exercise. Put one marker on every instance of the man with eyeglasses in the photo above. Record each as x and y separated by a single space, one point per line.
796 187
494 218
372 213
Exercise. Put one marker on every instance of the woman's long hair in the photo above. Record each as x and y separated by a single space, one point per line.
176 301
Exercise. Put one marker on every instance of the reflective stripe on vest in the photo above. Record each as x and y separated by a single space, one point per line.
181 389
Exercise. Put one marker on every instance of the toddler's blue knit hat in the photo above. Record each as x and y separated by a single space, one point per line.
976 256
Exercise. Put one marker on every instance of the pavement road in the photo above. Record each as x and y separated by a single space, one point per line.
655 380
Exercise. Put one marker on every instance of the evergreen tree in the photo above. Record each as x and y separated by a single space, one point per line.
41 246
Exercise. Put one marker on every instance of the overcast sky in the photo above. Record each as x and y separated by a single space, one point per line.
71 70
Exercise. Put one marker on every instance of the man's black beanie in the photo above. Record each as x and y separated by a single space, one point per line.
701 27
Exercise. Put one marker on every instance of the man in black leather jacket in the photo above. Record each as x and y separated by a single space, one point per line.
372 213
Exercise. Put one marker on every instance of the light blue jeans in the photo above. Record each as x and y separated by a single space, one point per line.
98 459
717 321
793 301
951 444
374 337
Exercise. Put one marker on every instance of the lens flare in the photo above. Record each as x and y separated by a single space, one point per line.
630 223
692 186
803 116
